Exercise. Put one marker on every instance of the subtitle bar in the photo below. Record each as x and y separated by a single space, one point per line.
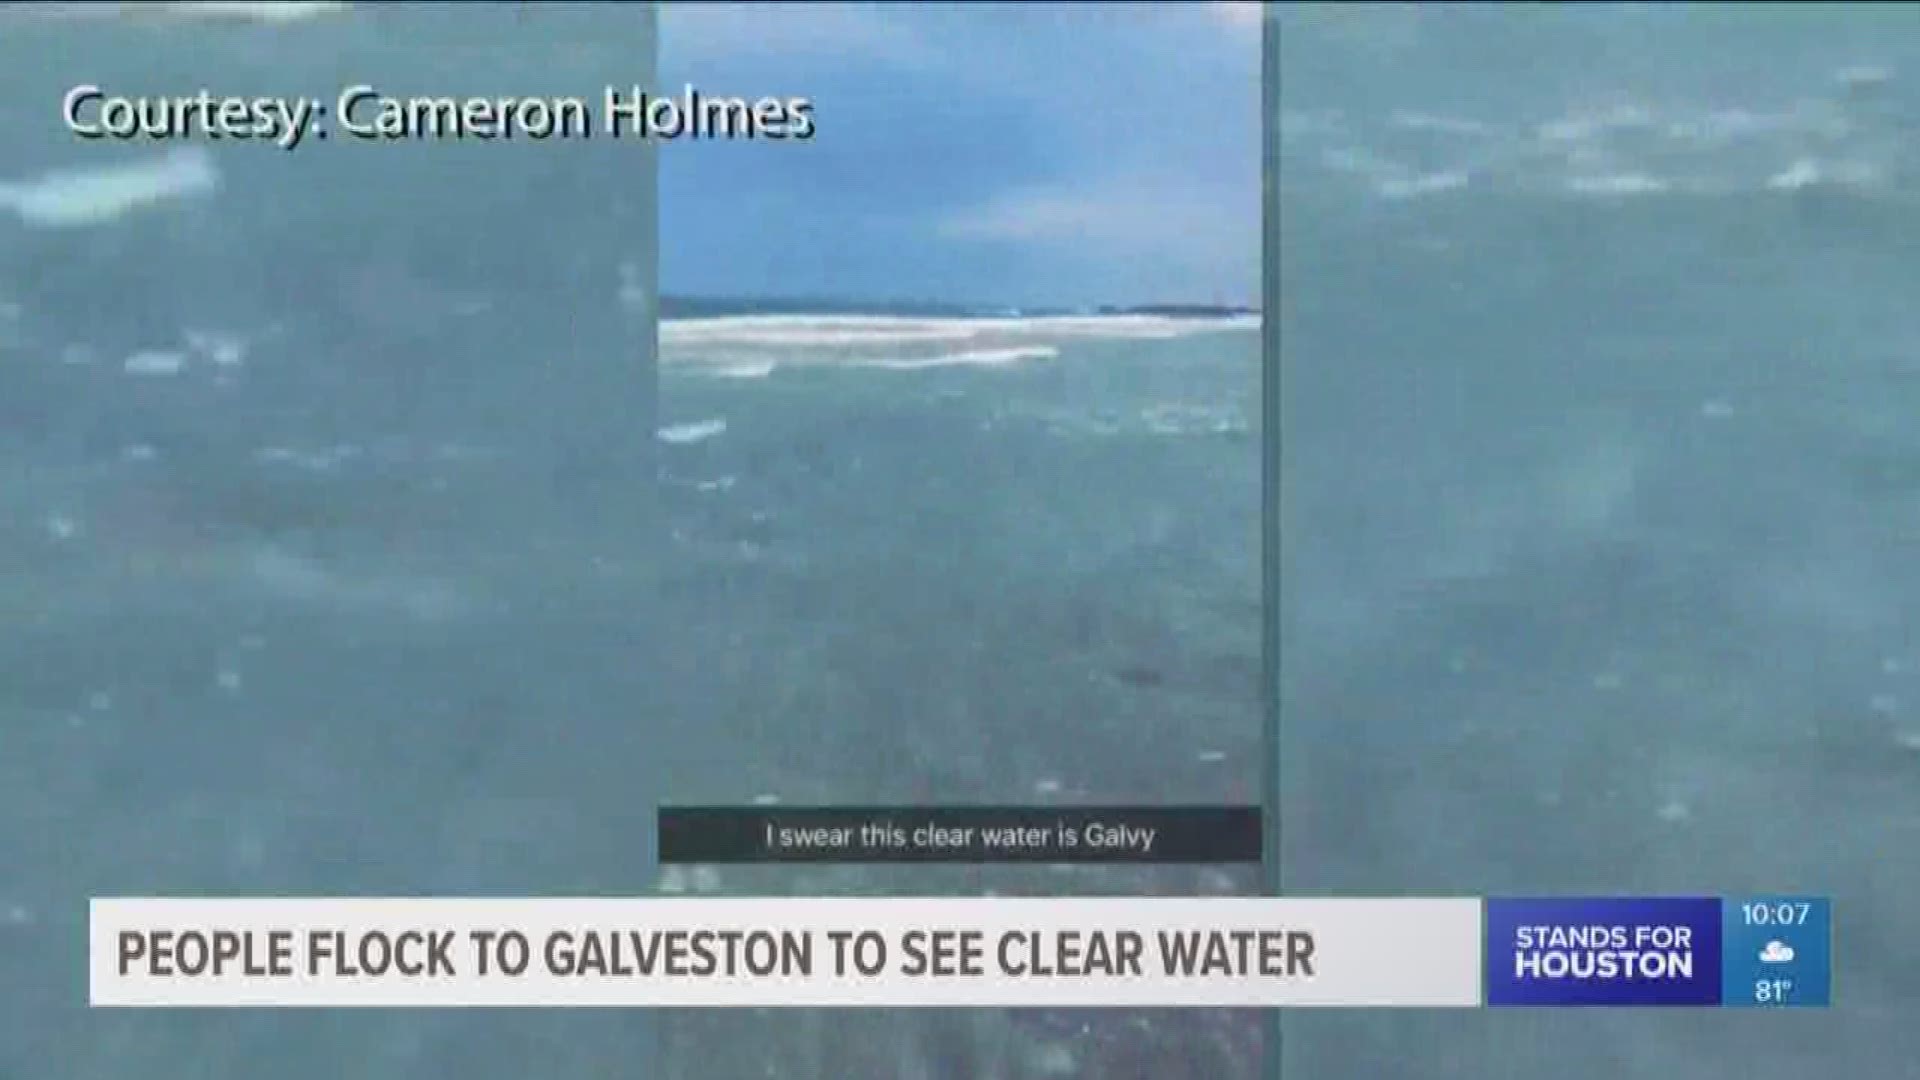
983 834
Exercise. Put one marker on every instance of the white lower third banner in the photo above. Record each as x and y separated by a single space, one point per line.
540 953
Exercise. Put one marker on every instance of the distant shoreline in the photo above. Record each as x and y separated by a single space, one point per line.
1182 311
693 307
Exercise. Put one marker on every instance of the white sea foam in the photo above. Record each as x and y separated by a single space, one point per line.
1187 418
224 349
155 362
1625 148
1618 185
274 12
325 460
1863 75
700 431
1422 185
1413 120
752 369
967 358
261 11
754 346
1167 418
61 528
80 197
1807 172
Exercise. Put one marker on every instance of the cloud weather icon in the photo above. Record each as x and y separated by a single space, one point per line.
1777 952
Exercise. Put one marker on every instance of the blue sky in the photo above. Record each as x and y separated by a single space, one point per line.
1003 154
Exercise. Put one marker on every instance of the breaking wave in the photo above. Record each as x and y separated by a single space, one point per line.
755 346
1835 136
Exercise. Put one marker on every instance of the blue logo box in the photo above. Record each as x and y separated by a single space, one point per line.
1778 952
1628 951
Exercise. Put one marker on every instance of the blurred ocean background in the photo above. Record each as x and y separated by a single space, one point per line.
1602 495
355 538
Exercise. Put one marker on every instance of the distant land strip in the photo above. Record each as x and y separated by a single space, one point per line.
683 307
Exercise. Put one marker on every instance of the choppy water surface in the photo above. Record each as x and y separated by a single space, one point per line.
1601 501
346 547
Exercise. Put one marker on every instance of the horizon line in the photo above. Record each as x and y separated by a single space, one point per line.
874 304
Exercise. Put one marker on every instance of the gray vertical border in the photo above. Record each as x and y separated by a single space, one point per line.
1270 554
643 325
649 257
